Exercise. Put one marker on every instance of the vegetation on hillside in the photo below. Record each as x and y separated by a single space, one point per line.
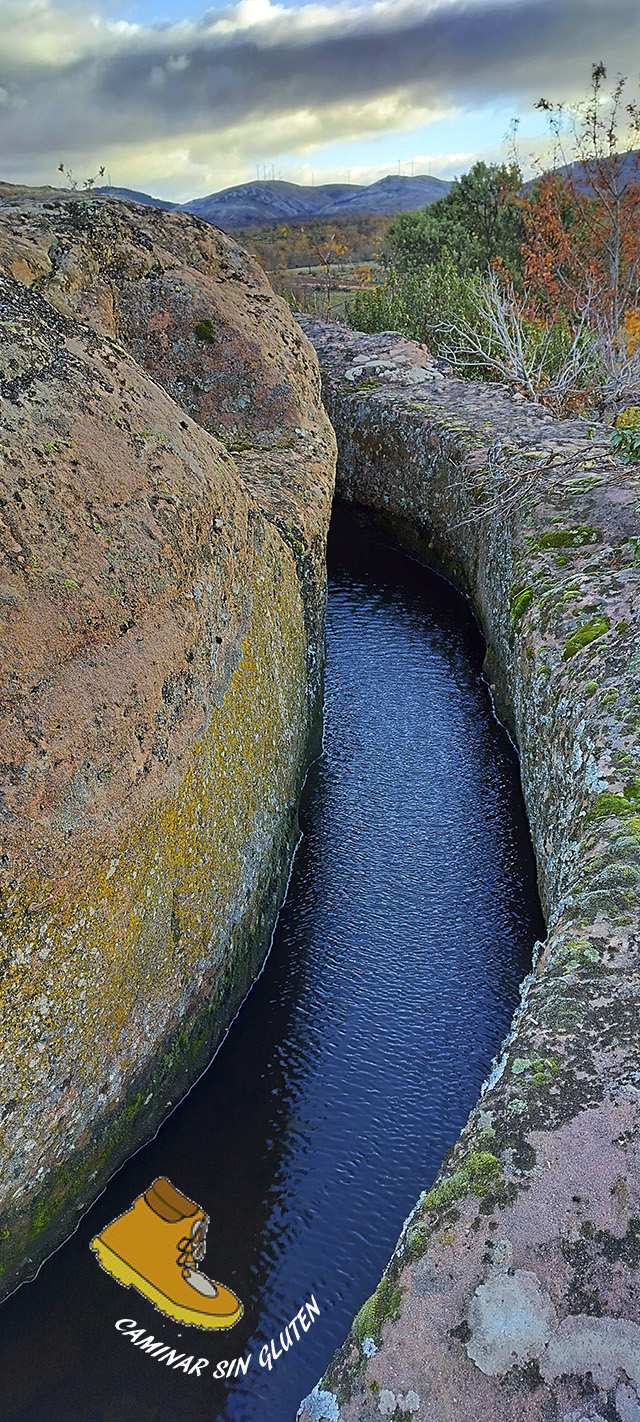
287 247
315 264
538 286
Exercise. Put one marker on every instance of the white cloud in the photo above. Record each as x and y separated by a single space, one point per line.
260 78
177 65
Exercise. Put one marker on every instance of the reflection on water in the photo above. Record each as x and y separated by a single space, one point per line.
353 1064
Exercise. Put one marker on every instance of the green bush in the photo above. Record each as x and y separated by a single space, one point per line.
626 435
425 304
420 304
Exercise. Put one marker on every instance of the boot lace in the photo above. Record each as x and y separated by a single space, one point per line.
192 1249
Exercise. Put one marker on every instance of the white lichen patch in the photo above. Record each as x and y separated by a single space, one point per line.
320 1406
511 1320
602 1346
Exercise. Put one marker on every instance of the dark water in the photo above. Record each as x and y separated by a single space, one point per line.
353 1064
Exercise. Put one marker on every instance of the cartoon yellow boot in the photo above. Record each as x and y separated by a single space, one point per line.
156 1247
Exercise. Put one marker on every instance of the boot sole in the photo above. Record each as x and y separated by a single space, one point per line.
114 1265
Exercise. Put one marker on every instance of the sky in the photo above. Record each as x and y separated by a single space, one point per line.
180 99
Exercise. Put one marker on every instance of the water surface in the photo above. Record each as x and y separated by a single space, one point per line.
354 1062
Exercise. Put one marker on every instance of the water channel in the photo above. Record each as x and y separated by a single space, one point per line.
409 922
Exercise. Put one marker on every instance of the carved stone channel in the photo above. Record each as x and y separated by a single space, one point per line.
514 1289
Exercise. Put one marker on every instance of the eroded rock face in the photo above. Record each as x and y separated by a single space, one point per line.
161 620
514 1291
182 297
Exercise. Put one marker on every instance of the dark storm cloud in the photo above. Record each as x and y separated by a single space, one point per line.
146 85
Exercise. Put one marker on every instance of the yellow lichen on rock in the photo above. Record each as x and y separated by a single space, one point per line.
99 980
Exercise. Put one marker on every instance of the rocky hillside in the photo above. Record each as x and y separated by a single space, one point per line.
166 473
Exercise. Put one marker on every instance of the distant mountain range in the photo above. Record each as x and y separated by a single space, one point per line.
265 202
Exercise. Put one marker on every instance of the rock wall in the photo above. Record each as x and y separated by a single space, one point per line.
513 1294
161 632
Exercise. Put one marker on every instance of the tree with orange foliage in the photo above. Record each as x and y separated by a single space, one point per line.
582 227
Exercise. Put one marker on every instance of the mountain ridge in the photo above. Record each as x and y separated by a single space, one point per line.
267 201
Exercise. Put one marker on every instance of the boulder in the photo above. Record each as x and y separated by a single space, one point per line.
161 635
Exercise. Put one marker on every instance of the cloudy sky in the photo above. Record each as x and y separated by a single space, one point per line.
180 100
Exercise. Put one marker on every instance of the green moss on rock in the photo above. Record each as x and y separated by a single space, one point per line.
384 1304
570 537
480 1171
595 627
203 331
521 599
618 806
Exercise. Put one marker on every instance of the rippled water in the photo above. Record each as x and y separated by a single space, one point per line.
352 1066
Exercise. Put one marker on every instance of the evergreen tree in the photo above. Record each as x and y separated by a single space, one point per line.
477 224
